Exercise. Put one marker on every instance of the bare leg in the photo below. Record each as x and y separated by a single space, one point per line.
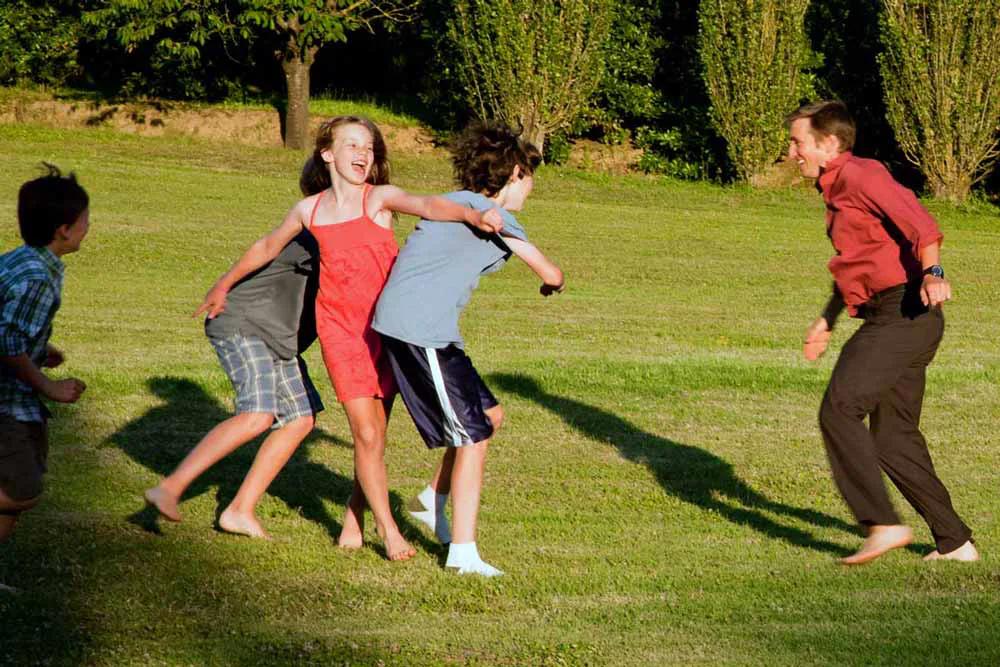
441 481
216 445
8 521
467 485
367 417
279 446
352 534
428 506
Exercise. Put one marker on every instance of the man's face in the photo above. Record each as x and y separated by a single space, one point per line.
808 152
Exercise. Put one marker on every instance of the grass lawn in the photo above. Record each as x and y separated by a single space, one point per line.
659 493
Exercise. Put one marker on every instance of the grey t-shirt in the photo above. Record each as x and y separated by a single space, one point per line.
276 303
435 274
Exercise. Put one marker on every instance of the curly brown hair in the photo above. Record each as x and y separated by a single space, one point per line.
485 153
315 173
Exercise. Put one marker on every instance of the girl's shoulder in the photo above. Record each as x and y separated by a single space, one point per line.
305 208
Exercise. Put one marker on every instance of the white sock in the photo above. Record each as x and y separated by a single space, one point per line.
465 558
433 515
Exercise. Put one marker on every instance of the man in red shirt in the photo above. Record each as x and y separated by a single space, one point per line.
887 271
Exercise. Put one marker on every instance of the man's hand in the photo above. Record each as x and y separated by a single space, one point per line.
489 221
935 291
64 391
548 290
53 357
214 303
817 338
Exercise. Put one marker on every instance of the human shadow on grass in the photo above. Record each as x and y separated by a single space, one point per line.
162 437
688 473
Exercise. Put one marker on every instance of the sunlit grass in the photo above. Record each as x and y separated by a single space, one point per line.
658 495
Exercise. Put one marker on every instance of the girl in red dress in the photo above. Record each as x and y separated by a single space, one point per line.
351 216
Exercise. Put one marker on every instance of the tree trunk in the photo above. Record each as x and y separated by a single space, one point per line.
954 188
532 132
297 105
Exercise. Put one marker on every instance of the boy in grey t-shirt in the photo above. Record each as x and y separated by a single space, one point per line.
418 313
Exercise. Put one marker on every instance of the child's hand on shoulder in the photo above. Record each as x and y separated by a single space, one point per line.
214 303
489 221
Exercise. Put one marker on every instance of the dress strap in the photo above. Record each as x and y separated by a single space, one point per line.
312 216
364 199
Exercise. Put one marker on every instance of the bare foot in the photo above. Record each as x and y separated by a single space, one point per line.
352 534
396 546
231 521
966 553
880 540
164 502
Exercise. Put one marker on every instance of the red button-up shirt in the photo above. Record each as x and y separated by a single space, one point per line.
877 227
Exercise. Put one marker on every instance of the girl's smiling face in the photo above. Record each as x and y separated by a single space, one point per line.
352 153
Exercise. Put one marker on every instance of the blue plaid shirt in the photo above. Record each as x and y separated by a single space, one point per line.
30 288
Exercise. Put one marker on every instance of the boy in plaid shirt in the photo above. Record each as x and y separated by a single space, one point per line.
53 215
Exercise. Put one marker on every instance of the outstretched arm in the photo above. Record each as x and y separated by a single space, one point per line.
551 275
433 208
260 253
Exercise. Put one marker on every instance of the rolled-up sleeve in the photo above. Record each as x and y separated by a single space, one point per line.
901 207
25 314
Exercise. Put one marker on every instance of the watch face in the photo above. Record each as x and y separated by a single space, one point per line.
935 271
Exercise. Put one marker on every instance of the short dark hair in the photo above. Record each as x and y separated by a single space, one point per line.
828 117
47 203
485 154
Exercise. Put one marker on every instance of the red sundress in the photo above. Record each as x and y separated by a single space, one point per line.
355 259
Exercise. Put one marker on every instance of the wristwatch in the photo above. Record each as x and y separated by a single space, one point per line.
934 270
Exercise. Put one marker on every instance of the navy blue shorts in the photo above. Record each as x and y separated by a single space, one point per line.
442 392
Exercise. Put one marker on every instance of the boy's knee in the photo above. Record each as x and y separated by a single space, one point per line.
257 422
302 425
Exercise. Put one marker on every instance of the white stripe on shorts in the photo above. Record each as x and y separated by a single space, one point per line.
453 428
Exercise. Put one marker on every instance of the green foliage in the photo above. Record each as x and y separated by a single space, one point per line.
557 149
627 96
941 68
753 53
38 42
532 63
666 152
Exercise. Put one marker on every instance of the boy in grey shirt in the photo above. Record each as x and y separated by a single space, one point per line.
417 316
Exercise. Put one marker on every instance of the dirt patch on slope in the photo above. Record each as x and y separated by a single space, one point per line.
255 127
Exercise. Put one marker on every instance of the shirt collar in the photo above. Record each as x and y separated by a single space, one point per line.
828 173
50 260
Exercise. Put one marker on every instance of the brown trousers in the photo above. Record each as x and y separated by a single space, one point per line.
880 375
